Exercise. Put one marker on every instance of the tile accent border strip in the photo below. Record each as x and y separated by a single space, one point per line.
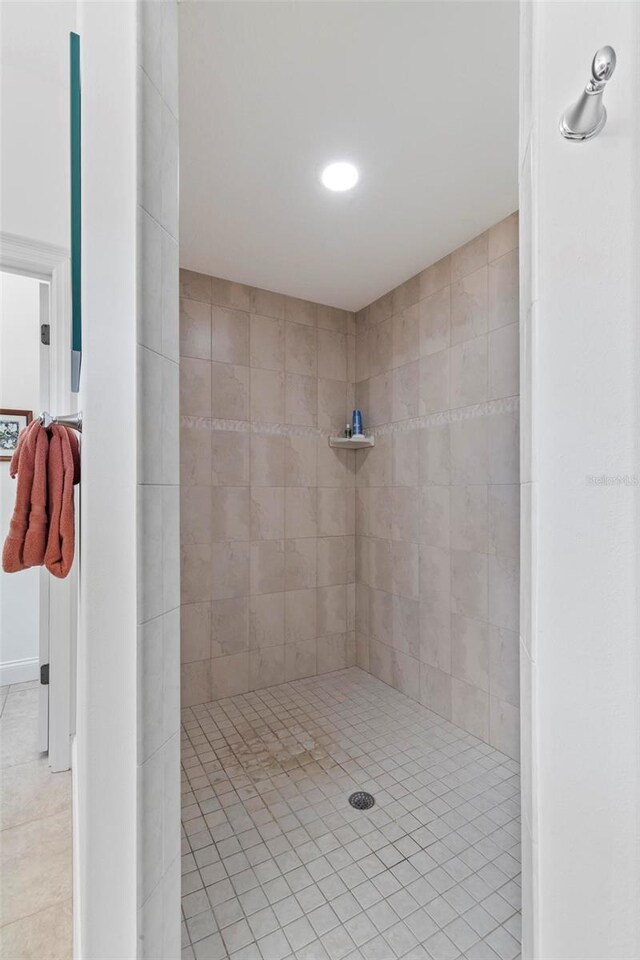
475 412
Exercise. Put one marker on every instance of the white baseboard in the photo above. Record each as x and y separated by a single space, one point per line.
19 671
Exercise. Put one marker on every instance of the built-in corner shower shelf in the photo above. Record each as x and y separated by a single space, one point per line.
351 443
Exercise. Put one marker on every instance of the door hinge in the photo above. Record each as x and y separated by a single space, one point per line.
45 334
44 674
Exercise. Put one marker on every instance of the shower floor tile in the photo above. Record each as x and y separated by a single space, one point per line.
277 864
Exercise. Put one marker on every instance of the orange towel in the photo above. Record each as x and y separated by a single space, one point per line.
26 541
63 472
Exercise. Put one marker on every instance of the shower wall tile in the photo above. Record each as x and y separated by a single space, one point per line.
436 510
159 473
268 508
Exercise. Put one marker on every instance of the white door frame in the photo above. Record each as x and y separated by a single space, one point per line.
47 262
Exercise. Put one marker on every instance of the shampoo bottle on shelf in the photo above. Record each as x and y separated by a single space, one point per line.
357 423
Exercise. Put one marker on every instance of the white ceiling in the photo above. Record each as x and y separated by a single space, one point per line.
423 97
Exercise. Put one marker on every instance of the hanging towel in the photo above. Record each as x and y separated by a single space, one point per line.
26 541
63 473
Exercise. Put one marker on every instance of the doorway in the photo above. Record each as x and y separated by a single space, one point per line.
37 633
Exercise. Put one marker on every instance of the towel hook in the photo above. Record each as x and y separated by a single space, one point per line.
587 116
73 420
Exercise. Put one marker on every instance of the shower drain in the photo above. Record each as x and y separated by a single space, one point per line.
361 800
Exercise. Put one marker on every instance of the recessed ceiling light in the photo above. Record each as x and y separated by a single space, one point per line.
340 176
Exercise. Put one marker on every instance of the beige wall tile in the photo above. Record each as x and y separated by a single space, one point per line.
267 343
266 620
300 311
300 461
435 322
300 620
226 293
504 727
332 355
504 520
195 683
406 626
300 659
267 566
504 362
470 708
503 448
229 676
195 454
504 291
336 512
469 372
331 318
195 286
469 306
333 411
435 455
195 632
267 460
404 400
333 560
229 570
267 396
470 584
195 329
469 518
435 690
435 277
195 572
470 650
300 564
266 667
406 460
332 610
434 382
301 399
433 519
229 335
334 653
301 512
434 573
470 257
267 304
229 513
229 458
405 294
229 627
229 391
503 237
301 349
504 665
267 513
195 388
195 515
435 634
406 335
504 592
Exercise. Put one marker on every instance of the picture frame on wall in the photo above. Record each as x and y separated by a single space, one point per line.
11 423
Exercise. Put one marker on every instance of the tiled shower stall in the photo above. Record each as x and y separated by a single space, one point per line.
350 618
300 559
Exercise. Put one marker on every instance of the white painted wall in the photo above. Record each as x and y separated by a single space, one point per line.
580 248
34 119
20 390
106 704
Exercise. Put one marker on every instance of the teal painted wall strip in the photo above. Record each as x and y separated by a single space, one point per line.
76 210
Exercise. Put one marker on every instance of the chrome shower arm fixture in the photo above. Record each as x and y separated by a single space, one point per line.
586 118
